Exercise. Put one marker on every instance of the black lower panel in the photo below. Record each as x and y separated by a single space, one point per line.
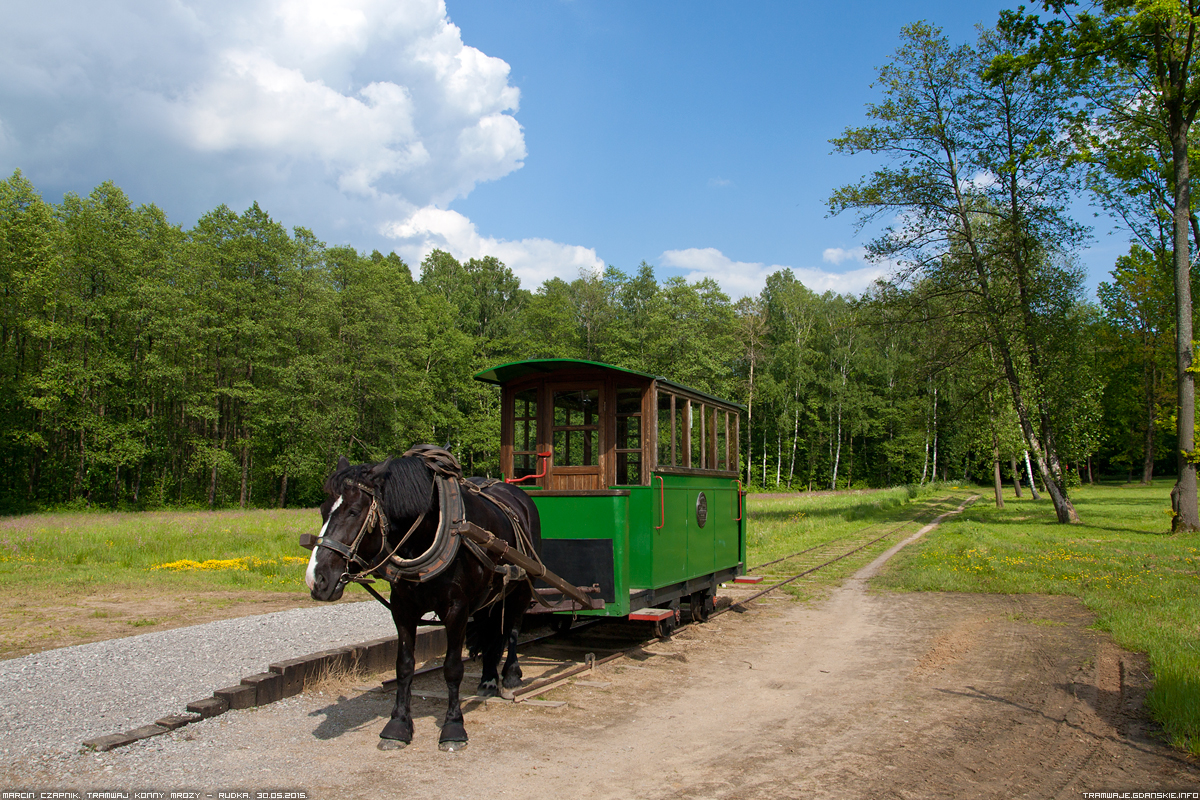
582 562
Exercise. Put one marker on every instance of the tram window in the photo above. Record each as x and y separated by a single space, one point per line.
708 417
629 469
629 401
679 443
722 440
576 428
695 434
666 429
629 433
629 436
525 433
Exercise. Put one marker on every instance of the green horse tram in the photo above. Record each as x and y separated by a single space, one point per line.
635 478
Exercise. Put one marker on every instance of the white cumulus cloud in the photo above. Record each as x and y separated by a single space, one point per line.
335 114
742 278
533 261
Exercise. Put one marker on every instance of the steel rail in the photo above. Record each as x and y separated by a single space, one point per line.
831 541
811 570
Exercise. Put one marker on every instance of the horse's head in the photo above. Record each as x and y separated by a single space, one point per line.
350 529
360 502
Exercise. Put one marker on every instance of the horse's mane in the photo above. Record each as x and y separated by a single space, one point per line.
407 490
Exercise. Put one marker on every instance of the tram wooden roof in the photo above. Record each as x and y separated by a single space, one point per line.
507 373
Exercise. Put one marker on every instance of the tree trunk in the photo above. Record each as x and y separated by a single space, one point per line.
996 471
925 463
764 460
837 456
795 434
283 490
935 436
1016 476
1032 483
1183 495
778 457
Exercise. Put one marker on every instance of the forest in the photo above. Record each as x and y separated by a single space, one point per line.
147 365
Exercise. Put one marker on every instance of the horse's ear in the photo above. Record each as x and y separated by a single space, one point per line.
343 463
381 470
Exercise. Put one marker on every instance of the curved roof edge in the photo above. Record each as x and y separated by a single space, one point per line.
506 373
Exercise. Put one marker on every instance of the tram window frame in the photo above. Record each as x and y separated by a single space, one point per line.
694 435
679 429
529 451
665 446
590 445
622 436
722 439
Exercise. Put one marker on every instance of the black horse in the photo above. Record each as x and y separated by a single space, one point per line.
373 511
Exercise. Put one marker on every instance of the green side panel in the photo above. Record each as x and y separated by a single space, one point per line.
584 517
643 516
668 545
723 513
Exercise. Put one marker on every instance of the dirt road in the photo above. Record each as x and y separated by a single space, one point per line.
863 696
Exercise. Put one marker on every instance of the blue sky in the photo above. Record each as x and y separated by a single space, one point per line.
556 135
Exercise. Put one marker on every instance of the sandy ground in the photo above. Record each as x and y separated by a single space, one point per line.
862 696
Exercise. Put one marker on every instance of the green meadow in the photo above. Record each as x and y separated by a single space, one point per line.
228 550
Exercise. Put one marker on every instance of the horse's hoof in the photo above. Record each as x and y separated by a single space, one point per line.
507 694
451 747
487 689
454 735
397 730
391 744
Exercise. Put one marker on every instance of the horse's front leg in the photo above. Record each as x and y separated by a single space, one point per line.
454 734
399 730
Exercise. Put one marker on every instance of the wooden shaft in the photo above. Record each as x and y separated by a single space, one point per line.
535 568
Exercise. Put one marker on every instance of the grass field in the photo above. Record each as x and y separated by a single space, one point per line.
780 526
1142 582
255 550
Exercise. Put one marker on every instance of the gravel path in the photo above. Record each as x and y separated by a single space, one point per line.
53 700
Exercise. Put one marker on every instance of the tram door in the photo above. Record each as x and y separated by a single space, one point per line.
577 436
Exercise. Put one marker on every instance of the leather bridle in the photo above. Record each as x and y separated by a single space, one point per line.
374 518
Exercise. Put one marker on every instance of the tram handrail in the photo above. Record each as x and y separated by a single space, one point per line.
662 508
740 494
542 474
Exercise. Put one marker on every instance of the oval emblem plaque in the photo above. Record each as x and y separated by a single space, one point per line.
701 509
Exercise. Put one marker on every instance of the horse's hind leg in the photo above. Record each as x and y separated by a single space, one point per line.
514 614
493 648
398 732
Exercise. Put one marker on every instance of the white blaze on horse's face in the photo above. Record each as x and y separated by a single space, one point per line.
310 575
